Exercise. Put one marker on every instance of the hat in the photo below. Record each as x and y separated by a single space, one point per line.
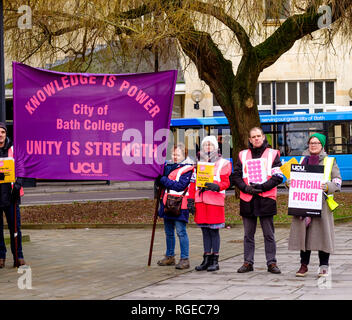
3 125
211 139
320 137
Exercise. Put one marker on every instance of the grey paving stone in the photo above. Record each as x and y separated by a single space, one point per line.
112 264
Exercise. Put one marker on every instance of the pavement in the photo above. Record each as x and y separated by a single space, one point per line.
111 264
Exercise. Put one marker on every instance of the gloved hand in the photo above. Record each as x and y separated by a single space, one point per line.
324 187
157 180
258 186
191 206
252 190
202 190
212 187
15 194
287 183
2 176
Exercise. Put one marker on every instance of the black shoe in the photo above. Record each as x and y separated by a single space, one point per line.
19 262
214 265
273 268
207 258
246 267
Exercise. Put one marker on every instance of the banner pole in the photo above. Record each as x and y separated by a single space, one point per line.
154 225
15 233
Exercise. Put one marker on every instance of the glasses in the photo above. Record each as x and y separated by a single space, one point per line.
314 143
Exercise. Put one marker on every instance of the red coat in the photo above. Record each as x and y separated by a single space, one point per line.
209 213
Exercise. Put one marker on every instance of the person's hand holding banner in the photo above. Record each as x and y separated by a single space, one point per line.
324 186
15 194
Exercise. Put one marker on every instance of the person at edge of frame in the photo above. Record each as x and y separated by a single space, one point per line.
10 198
258 200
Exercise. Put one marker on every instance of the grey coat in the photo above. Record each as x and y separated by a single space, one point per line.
320 233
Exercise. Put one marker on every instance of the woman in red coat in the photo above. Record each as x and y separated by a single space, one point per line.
210 203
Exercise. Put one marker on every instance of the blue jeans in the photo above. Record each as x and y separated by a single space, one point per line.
169 226
10 222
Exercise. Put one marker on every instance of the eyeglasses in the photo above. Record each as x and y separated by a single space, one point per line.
314 143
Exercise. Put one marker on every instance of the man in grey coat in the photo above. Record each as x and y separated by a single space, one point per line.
316 233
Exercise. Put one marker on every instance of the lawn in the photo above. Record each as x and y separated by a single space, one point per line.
142 211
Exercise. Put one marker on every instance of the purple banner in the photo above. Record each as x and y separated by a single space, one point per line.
91 126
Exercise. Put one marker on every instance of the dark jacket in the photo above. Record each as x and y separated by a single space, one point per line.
178 186
5 188
258 206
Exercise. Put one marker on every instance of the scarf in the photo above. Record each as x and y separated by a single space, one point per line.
209 156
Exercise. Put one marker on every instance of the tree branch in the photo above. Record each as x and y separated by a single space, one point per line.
293 29
232 24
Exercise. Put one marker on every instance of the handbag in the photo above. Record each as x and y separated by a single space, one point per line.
173 204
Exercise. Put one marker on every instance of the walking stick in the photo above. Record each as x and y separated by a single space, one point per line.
154 225
15 233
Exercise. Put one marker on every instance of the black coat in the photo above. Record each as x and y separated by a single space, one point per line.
258 206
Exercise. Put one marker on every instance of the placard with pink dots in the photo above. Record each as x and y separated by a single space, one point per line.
256 169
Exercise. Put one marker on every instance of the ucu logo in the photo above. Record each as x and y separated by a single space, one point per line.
86 167
298 168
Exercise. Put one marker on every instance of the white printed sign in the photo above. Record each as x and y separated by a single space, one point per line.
305 196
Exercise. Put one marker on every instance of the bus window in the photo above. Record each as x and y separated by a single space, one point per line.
192 142
223 134
339 138
297 135
225 143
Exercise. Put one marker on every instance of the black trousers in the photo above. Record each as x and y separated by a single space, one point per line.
323 257
211 240
250 226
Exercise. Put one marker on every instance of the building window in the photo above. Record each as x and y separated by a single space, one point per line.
304 92
314 94
178 107
318 92
329 92
215 102
292 92
280 93
324 92
266 93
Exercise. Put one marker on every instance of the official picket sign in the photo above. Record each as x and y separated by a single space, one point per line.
79 126
305 196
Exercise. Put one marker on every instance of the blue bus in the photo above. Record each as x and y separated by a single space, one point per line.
286 132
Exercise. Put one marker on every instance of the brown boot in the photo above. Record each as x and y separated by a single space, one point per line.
183 264
2 263
302 272
167 261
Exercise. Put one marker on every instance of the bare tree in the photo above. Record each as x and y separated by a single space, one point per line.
200 28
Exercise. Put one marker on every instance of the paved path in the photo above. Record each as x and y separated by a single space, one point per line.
112 264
